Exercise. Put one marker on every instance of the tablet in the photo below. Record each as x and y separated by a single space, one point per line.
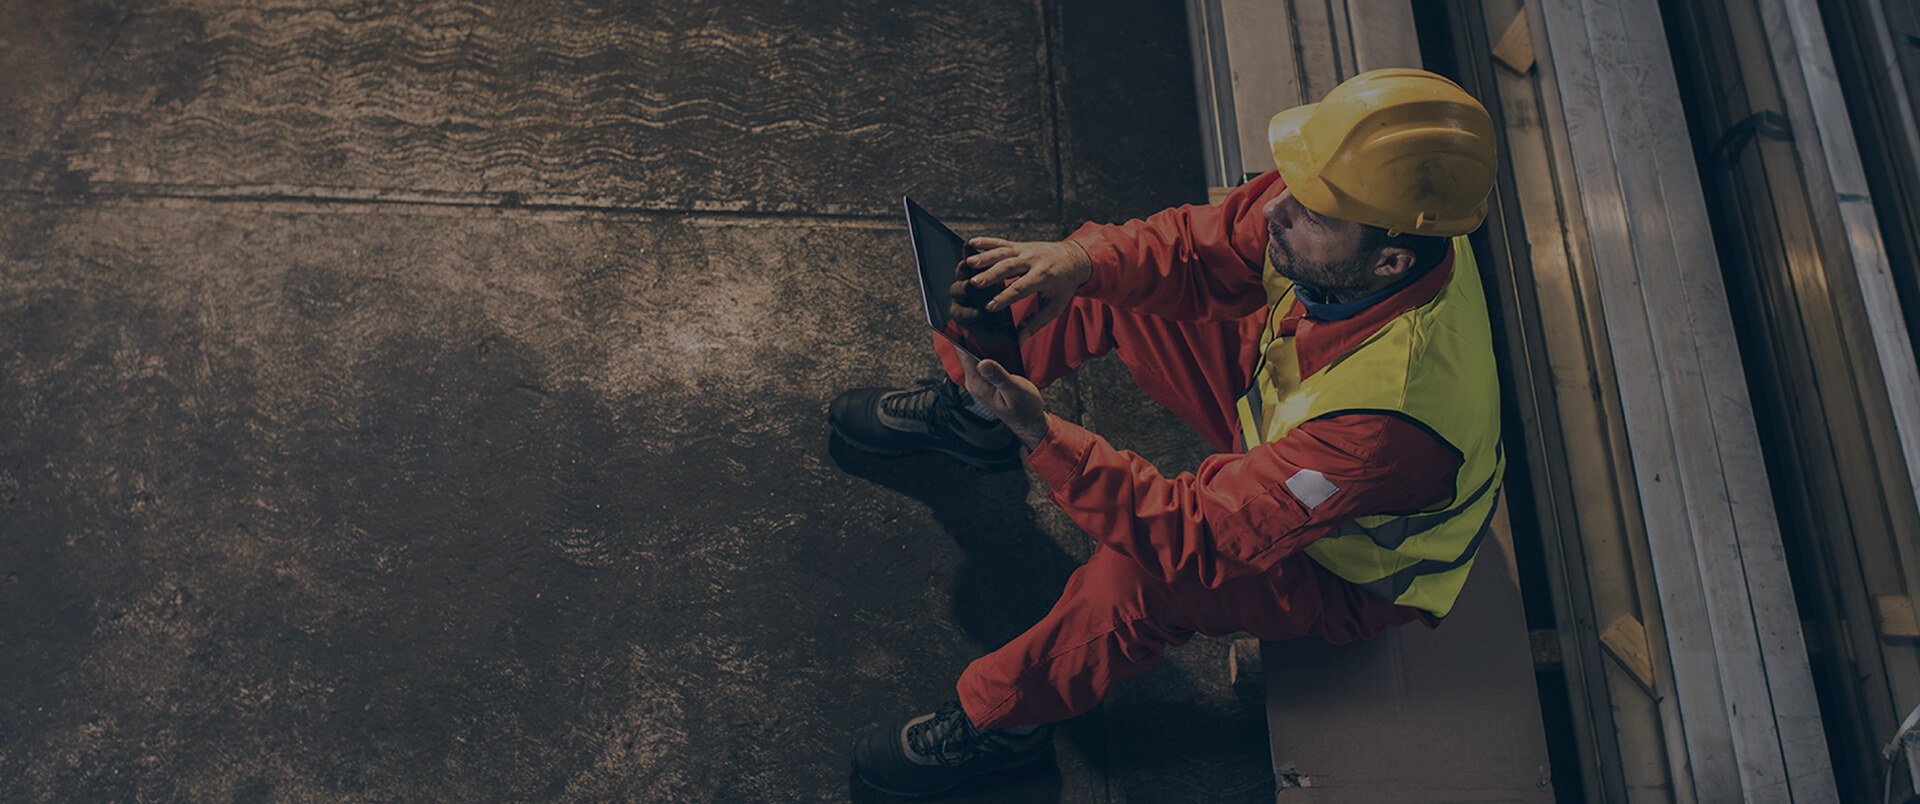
938 252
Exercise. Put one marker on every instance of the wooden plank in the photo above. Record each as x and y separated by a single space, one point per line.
1894 618
1626 642
1331 710
1515 48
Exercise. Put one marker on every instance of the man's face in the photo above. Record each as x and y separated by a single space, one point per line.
1306 246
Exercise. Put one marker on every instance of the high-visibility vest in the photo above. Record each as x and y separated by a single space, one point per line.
1433 365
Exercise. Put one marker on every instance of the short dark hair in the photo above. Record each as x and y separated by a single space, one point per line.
1427 250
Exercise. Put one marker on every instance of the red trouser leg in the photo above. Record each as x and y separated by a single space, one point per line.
1114 621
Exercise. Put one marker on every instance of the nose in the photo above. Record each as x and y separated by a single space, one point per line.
1274 210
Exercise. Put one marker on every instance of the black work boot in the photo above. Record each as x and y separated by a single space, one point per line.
930 754
932 415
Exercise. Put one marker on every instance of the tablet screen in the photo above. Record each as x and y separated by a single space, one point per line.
938 252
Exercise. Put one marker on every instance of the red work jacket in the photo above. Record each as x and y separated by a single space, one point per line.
1235 515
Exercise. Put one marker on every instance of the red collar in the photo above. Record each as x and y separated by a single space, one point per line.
1318 343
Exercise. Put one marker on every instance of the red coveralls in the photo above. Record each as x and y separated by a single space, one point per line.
1178 297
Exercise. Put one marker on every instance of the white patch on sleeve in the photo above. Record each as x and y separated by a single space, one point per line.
1310 487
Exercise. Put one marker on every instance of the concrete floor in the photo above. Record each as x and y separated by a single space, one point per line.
425 400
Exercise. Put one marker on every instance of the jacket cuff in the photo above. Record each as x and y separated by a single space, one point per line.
1060 457
1105 255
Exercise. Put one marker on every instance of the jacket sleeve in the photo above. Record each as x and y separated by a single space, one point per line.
1239 514
1188 263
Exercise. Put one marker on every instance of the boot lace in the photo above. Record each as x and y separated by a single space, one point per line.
947 736
916 404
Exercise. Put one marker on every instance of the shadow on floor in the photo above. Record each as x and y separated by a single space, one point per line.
1034 784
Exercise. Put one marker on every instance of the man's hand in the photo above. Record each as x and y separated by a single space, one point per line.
1014 399
1053 270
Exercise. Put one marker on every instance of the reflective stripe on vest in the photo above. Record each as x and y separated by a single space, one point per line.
1397 584
1433 366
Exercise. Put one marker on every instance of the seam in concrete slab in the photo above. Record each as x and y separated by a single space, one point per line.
1050 53
1050 33
295 198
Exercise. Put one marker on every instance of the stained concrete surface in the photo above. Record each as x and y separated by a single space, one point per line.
425 400
803 107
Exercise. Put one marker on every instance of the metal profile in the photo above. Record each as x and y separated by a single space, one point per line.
1793 211
1250 54
1213 85
1876 49
1868 307
1560 368
1725 637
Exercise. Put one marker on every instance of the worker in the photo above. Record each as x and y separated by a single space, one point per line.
1322 326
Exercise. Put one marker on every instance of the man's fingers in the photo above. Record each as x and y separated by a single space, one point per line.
984 243
991 371
1013 293
986 258
1000 272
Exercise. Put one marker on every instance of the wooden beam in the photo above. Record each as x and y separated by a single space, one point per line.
1331 709
1893 616
1515 48
1626 642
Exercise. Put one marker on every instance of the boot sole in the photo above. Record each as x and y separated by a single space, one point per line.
1023 763
968 460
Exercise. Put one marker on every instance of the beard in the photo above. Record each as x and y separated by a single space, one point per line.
1343 279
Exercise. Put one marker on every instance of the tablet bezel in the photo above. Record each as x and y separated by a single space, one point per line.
1003 347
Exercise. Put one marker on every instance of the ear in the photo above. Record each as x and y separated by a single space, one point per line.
1394 263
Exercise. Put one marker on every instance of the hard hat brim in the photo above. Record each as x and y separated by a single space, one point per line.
1298 167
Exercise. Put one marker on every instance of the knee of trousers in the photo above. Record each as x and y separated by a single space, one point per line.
1109 601
1114 584
1113 621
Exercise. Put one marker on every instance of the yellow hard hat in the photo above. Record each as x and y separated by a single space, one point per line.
1402 149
